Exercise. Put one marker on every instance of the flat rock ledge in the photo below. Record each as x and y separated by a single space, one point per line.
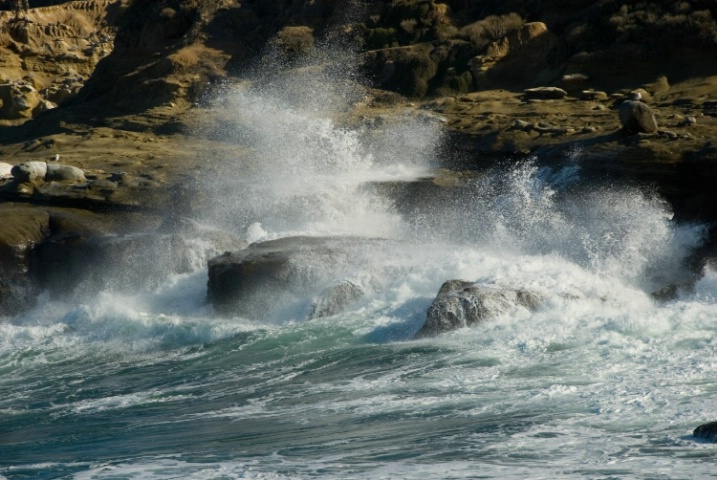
275 276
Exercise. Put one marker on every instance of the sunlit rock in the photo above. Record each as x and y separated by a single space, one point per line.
462 304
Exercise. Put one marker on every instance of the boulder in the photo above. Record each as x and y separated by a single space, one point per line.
32 172
462 304
636 116
84 263
66 173
268 277
708 431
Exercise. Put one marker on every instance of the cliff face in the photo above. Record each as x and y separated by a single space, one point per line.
170 50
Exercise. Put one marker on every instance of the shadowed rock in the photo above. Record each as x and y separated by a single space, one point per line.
636 116
266 277
708 431
462 304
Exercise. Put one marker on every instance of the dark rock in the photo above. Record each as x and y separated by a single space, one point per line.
708 431
461 304
77 264
264 278
636 116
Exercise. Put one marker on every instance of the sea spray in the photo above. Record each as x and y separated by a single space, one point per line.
599 381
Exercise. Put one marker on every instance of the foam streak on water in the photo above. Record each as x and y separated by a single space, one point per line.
599 382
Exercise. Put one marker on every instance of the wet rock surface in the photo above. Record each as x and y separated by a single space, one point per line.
266 277
461 304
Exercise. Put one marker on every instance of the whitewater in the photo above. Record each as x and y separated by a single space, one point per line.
600 382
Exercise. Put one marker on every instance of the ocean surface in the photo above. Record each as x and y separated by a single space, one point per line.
600 382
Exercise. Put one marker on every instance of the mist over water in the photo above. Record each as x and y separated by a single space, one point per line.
599 382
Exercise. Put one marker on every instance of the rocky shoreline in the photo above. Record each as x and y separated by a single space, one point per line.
116 143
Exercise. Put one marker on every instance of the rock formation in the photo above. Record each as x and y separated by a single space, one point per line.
462 304
636 116
266 277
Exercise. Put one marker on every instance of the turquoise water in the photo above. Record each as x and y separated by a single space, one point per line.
599 382
613 393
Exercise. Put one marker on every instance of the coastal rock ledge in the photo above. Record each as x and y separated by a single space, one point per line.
277 276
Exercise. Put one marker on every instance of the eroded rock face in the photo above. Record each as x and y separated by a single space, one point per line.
462 304
266 277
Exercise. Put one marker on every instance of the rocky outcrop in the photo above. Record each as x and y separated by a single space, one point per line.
22 228
46 55
636 116
73 253
266 277
462 304
521 57
708 431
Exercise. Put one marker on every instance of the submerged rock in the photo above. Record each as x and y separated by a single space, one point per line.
461 304
708 431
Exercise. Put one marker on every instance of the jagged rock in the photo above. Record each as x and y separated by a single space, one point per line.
266 277
461 304
30 172
544 93
708 431
636 116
